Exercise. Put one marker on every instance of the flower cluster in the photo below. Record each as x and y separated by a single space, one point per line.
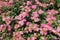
29 20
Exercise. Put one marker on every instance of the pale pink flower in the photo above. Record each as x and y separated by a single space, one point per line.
21 6
53 18
21 32
51 3
21 16
28 38
39 3
47 19
1 26
58 21
32 18
27 9
26 29
35 14
7 19
9 28
24 14
4 27
21 23
58 29
28 3
30 30
27 23
18 18
45 5
11 1
33 7
49 23
32 38
16 26
3 18
36 19
40 11
52 11
46 26
36 0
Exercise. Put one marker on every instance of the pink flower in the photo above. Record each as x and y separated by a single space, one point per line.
26 29
40 4
27 9
21 32
24 14
27 23
28 38
58 21
40 11
7 19
51 3
3 27
3 18
53 18
28 3
36 19
18 18
21 16
21 23
58 29
33 7
35 14
32 38
9 28
16 26
49 23
45 5
52 11
43 32
11 1
46 26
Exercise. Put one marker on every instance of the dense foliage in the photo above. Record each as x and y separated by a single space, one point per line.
29 19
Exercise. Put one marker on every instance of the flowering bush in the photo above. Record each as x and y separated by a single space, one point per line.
29 20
